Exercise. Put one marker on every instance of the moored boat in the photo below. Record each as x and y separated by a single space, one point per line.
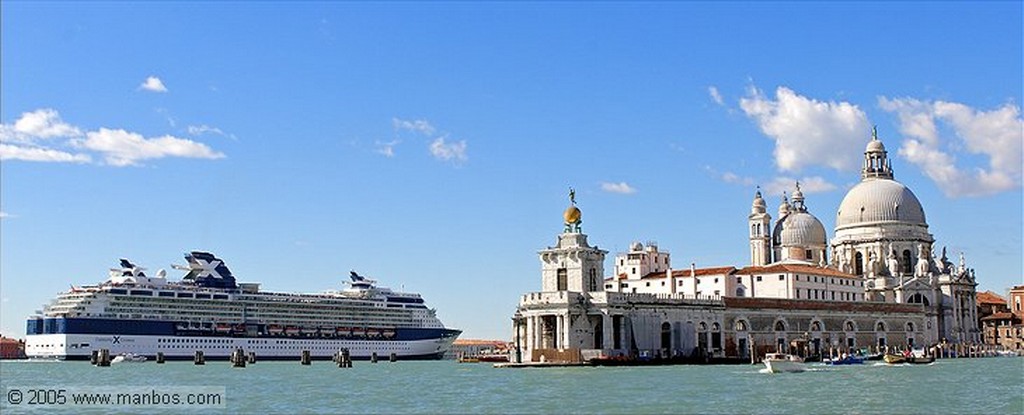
208 311
893 359
128 358
846 360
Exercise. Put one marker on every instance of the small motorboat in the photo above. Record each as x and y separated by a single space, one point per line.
128 358
781 362
846 360
894 359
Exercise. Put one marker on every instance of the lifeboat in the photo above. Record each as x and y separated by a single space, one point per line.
275 329
223 327
359 332
389 334
291 330
372 332
343 331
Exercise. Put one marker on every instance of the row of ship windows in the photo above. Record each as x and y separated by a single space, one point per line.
188 342
258 306
261 315
182 346
260 301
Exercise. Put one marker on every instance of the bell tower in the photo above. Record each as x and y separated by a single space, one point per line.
572 264
760 231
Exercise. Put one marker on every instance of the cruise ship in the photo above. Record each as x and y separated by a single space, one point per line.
208 311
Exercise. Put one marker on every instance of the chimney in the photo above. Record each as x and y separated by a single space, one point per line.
693 270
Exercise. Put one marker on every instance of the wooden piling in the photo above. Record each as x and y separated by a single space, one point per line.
94 357
199 358
103 359
393 358
238 358
305 358
160 357
252 357
373 357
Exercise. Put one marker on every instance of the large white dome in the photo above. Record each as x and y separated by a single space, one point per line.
879 200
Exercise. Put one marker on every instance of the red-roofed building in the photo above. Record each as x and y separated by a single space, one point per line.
11 348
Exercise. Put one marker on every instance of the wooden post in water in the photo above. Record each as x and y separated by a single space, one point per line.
160 358
94 357
238 358
103 360
373 357
393 358
199 358
753 352
305 359
252 357
345 358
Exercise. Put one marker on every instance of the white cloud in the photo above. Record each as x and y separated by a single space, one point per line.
808 185
153 84
730 177
198 130
418 126
778 184
387 149
43 123
30 138
455 151
620 187
124 148
32 153
997 135
809 132
5 215
715 95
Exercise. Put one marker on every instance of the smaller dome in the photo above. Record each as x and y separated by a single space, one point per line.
636 246
758 206
875 146
799 229
572 214
784 207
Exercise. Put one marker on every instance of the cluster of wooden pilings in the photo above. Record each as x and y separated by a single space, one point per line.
239 358
100 358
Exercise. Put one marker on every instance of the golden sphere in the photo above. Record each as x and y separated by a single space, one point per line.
572 214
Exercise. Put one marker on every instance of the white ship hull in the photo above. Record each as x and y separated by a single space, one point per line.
80 347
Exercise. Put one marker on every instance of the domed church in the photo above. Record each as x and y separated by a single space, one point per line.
882 236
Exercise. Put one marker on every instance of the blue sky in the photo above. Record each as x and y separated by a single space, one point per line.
431 145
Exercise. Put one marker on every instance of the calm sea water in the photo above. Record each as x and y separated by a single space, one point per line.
971 386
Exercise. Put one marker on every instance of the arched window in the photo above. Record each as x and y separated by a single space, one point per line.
918 298
849 326
741 325
740 291
715 327
815 325
780 326
908 266
703 326
880 326
910 326
858 264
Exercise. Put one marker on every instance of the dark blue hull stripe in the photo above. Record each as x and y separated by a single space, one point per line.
169 328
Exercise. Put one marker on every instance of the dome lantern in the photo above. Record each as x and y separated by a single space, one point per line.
876 159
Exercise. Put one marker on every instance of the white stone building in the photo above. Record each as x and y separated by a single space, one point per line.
878 284
882 236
